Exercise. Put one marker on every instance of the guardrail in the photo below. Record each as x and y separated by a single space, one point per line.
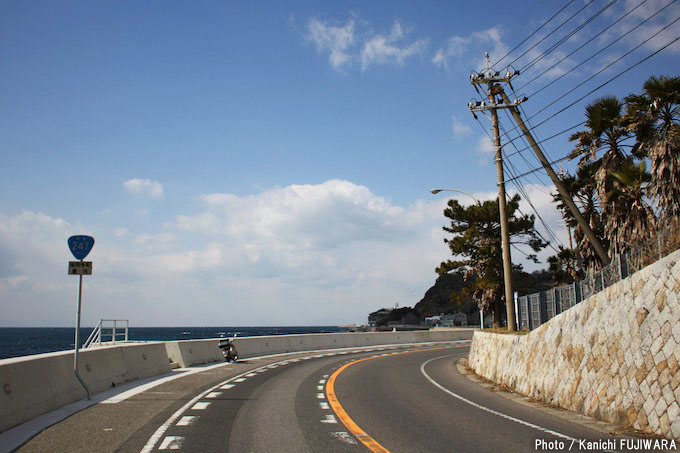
108 329
536 309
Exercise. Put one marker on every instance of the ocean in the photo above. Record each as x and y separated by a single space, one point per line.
21 341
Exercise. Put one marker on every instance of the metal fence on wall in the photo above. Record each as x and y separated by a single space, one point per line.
536 309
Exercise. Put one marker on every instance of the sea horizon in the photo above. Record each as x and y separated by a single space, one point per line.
24 341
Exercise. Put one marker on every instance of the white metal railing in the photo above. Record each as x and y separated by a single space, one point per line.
108 331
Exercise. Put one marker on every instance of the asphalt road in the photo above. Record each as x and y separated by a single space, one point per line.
406 398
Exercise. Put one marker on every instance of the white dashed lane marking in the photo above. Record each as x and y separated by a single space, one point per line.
319 388
200 406
320 396
227 386
344 437
239 380
187 420
324 406
250 374
213 394
329 419
171 443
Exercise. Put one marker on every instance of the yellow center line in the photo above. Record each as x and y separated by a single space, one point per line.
340 412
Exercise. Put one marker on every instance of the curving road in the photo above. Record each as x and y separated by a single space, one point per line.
401 398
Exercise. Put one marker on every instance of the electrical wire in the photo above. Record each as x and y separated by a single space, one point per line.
589 41
615 77
601 50
608 81
523 192
549 138
548 35
605 67
567 36
534 32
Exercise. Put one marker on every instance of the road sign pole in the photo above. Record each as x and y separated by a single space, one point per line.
80 246
77 346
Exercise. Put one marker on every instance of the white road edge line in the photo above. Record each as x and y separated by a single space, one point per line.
486 409
187 420
172 443
153 440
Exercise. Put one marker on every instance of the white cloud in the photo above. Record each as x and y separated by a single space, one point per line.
485 150
312 254
381 49
144 187
460 129
301 216
335 40
302 254
354 43
472 48
645 33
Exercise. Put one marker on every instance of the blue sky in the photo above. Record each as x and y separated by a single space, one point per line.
267 163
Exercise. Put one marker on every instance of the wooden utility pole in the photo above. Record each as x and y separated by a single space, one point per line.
490 78
590 234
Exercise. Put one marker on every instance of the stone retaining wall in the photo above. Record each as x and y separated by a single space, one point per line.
614 356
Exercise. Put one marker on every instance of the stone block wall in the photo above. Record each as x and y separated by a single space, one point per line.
614 356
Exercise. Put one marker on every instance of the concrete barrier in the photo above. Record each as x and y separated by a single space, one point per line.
188 353
34 385
194 352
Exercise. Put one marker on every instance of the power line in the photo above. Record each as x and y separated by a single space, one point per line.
556 161
524 193
548 35
601 70
534 32
606 82
616 76
567 36
582 46
606 67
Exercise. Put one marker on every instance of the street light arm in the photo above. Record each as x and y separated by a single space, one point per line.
436 191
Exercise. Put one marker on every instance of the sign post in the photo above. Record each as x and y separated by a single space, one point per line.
80 246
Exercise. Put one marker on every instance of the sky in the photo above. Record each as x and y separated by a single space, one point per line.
269 163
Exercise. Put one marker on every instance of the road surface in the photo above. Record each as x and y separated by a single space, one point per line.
396 398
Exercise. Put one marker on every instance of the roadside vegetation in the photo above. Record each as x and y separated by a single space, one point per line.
626 185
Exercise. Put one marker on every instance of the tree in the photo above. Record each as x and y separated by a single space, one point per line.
581 188
637 218
563 267
476 243
605 132
654 118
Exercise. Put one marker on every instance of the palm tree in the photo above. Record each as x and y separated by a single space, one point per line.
605 132
563 267
637 217
581 187
654 118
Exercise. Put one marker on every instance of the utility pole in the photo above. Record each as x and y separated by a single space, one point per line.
590 234
490 78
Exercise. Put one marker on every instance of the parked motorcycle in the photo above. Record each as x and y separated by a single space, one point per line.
228 349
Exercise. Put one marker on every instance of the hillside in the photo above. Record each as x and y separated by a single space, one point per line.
437 299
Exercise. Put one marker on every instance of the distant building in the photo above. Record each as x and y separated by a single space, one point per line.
433 320
447 320
378 317
409 319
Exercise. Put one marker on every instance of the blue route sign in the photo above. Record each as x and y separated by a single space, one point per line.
80 246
